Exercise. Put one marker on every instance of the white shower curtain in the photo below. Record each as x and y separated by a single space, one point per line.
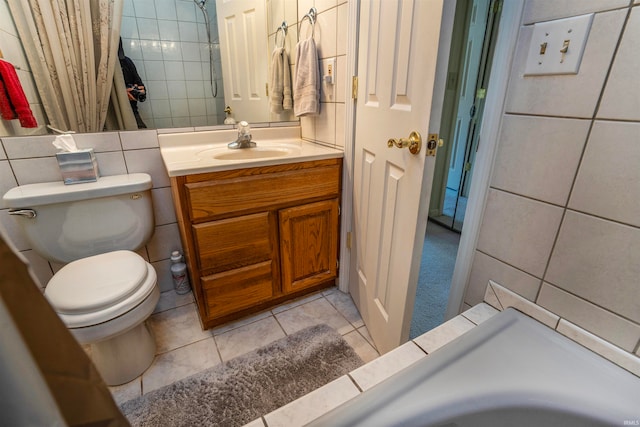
72 49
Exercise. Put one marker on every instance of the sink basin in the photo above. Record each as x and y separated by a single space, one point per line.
252 153
207 151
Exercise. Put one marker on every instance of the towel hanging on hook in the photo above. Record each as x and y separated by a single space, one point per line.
311 16
13 101
285 29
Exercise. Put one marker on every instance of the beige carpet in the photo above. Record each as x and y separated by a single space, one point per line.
249 386
434 282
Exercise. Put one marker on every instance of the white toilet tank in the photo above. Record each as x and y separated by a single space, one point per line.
80 220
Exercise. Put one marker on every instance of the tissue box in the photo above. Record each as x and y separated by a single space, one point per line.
78 166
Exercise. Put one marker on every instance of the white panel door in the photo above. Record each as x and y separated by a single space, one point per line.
243 41
398 46
466 105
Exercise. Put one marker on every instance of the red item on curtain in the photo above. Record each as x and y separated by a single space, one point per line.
6 112
13 101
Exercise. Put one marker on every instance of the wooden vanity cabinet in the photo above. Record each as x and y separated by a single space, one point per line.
258 236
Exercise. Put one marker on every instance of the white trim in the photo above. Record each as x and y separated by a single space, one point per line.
510 22
349 135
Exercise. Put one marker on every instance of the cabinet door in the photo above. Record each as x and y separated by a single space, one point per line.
308 244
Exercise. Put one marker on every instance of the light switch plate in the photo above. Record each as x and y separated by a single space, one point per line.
550 39
330 71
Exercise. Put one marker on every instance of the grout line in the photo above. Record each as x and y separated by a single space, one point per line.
215 343
600 119
419 346
496 295
355 382
184 345
340 312
621 316
615 221
140 378
366 340
279 324
506 263
462 314
524 196
246 318
613 59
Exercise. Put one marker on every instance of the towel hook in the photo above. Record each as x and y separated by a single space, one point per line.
285 29
311 16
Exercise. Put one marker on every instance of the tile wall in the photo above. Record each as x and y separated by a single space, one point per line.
167 41
12 51
331 39
27 160
561 225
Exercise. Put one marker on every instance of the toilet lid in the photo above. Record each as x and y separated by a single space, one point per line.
95 282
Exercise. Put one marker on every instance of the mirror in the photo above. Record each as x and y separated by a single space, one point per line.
183 48
168 42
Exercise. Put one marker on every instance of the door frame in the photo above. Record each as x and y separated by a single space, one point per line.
494 108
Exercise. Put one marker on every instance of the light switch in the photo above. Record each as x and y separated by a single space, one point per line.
557 46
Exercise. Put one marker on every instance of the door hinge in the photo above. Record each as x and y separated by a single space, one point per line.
354 87
481 93
337 264
497 6
467 167
266 88
348 240
339 210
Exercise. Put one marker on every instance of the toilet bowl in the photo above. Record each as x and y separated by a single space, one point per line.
104 300
105 292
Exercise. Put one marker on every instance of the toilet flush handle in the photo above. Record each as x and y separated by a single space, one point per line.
29 213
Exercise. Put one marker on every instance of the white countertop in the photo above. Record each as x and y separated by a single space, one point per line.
199 152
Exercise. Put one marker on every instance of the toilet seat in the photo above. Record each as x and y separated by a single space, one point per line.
99 288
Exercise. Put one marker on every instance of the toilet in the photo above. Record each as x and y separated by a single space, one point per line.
105 292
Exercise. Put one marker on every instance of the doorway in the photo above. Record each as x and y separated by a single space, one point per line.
473 42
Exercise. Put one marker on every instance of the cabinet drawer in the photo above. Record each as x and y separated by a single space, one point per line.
234 290
244 194
235 242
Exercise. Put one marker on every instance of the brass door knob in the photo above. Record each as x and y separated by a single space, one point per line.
414 142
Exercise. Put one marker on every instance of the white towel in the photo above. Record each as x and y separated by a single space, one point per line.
280 96
306 90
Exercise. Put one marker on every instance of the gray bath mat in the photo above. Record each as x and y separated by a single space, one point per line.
244 388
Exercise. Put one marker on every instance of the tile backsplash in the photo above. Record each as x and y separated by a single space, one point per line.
561 225
327 128
27 160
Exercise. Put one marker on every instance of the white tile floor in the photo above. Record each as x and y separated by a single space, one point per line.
184 349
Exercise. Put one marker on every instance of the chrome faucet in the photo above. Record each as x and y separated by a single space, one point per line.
244 137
